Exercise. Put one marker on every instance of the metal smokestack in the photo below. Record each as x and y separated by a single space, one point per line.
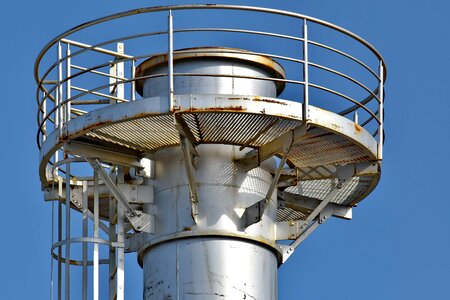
215 253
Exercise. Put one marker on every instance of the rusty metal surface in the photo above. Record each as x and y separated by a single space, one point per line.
252 121
231 54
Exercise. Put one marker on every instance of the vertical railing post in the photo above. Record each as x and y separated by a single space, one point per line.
381 112
112 249
59 250
84 207
57 91
113 81
120 72
53 242
95 275
305 72
120 253
120 249
170 61
60 90
68 83
67 258
44 112
133 82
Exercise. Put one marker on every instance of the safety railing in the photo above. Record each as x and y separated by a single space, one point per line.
84 76
98 243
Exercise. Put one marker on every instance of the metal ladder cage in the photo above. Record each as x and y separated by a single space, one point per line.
84 194
78 78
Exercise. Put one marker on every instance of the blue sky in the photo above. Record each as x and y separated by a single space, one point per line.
396 247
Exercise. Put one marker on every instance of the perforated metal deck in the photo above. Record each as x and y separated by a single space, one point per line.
314 159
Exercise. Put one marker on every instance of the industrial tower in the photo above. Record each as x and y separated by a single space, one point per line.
209 139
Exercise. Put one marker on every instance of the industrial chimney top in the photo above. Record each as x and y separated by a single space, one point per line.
209 141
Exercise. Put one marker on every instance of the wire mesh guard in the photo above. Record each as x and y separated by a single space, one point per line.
91 106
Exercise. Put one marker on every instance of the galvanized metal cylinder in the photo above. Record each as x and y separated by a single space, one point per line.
217 256
212 71
210 268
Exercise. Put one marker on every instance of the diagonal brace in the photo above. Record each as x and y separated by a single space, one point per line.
190 172
188 142
254 213
323 211
254 158
140 221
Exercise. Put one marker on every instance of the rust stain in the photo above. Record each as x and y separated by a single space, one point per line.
358 128
95 125
237 98
256 98
333 126
213 109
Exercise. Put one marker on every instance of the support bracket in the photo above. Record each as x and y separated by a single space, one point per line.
104 154
254 158
254 213
190 155
319 215
306 204
140 221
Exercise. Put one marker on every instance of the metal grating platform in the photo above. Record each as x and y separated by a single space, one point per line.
325 148
315 157
354 191
289 214
319 148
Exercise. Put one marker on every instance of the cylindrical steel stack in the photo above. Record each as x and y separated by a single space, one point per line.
217 255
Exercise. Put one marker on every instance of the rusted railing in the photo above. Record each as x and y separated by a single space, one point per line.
72 85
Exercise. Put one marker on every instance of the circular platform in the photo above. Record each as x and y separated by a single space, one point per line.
104 113
139 129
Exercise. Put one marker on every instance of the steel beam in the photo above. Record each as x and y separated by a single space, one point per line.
190 173
254 213
298 202
84 280
254 158
140 221
103 154
112 250
120 277
95 256
321 212
190 155
67 236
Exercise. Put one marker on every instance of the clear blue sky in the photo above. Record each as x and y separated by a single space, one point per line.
398 244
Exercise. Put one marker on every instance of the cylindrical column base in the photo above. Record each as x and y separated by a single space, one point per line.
208 268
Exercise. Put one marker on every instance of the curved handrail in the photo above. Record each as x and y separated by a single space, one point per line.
372 93
87 70
201 6
50 94
346 97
